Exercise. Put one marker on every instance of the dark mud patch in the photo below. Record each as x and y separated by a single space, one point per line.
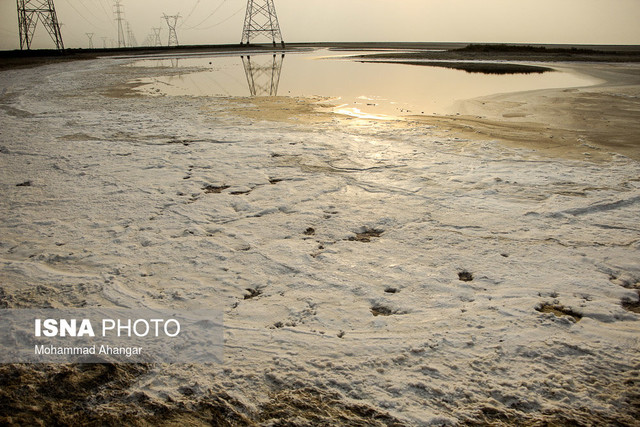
274 181
630 305
312 407
16 112
559 311
100 395
507 416
495 68
309 231
215 189
366 235
79 136
391 290
52 296
62 394
465 276
240 192
252 293
381 310
125 90
625 282
24 184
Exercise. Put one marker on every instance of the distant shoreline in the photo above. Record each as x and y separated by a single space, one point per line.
10 59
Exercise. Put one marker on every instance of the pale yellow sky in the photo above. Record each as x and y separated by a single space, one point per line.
220 21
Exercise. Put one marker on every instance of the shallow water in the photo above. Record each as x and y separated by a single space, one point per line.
354 87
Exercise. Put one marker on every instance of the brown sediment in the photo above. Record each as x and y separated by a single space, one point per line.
559 311
465 276
310 406
62 394
631 305
123 90
282 109
581 123
380 310
215 189
366 235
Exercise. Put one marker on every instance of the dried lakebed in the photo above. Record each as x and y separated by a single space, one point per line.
370 272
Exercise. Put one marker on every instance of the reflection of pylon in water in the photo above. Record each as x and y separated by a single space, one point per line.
263 79
32 11
261 19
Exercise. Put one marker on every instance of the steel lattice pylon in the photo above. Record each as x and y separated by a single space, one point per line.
261 19
32 11
156 36
171 23
264 78
119 19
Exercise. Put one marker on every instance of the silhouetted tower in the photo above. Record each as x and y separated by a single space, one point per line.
119 19
263 78
32 11
171 23
90 36
131 38
261 19
156 36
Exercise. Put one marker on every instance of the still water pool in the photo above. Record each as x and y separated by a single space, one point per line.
355 88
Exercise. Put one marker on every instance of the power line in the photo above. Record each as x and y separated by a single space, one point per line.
89 10
82 16
193 9
208 16
104 10
220 22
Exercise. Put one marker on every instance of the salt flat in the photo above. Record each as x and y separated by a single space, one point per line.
371 272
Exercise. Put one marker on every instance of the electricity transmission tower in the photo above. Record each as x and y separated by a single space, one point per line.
261 19
119 18
131 38
156 36
32 11
263 79
90 36
173 37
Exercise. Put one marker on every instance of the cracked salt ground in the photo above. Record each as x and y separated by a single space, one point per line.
434 288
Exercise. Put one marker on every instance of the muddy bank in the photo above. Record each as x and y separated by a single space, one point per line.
97 394
584 122
475 67
518 53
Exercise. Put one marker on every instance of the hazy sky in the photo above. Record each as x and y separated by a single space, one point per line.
220 21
